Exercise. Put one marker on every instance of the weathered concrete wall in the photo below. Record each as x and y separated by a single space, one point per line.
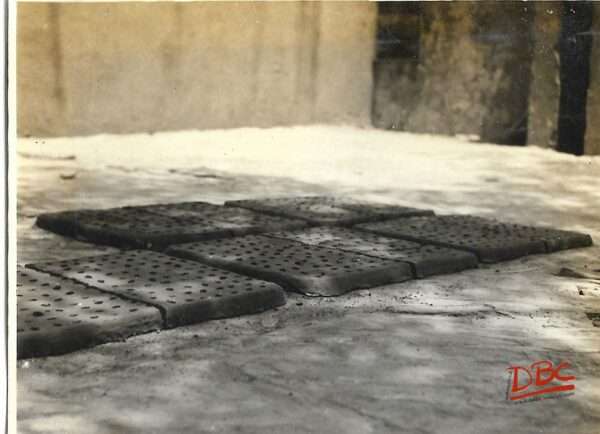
396 69
503 31
129 67
397 92
592 132
472 77
40 96
544 94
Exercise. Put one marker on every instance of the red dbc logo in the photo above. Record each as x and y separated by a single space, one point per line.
538 379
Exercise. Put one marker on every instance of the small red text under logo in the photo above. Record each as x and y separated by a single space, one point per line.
540 380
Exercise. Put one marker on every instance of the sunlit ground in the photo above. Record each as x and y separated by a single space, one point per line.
422 356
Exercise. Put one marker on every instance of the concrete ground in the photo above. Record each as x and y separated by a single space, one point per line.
424 356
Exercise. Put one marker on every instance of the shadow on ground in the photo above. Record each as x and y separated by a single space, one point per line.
423 356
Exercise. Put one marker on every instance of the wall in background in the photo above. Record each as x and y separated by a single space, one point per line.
486 69
592 133
397 75
132 67
471 76
546 86
544 94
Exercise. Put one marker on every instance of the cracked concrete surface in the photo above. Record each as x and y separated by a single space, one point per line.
423 356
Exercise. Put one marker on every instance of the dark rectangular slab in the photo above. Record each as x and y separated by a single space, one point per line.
327 210
120 227
554 239
158 226
186 291
491 241
237 221
312 270
426 259
56 316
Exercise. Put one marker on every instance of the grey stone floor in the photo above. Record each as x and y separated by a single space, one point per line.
424 356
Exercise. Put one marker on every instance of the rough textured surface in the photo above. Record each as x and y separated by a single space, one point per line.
544 93
170 66
290 63
472 75
327 210
397 92
311 270
425 259
397 82
120 227
592 133
425 356
554 239
157 226
57 316
185 291
217 218
491 240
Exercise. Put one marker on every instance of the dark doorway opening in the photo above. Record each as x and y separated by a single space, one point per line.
575 50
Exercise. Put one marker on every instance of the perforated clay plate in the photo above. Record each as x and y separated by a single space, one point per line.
158 226
426 259
554 239
122 227
56 316
327 210
491 241
237 221
312 270
186 291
